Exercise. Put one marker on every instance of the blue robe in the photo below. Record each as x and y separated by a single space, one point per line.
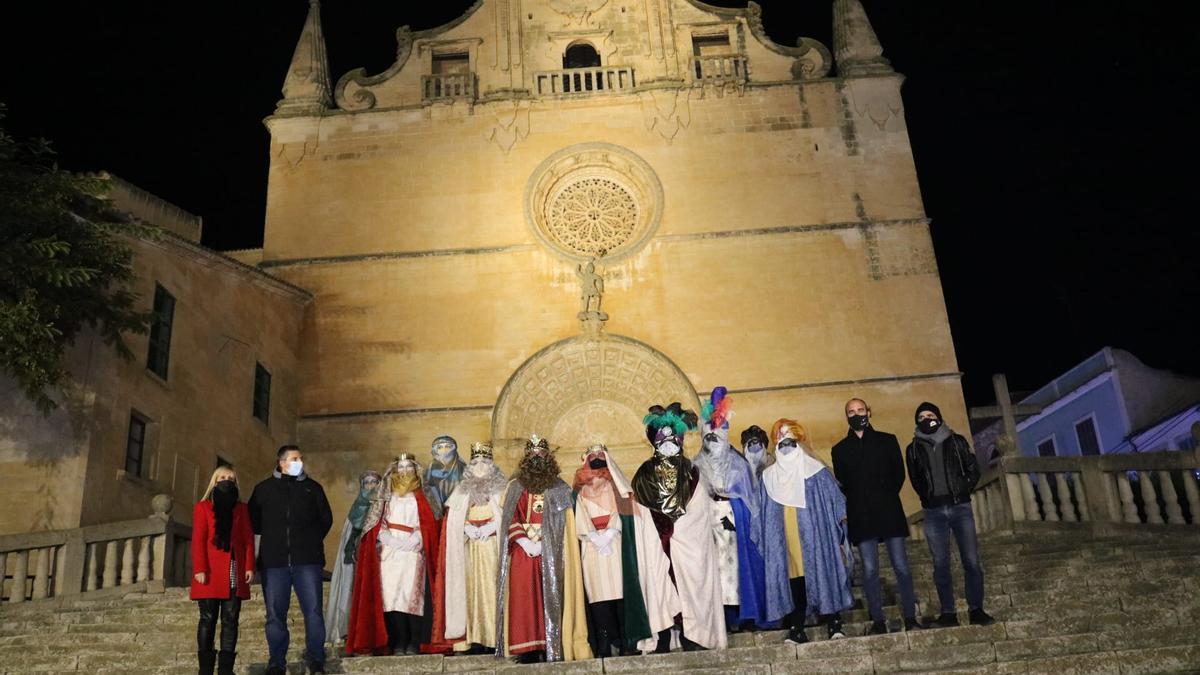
828 554
777 601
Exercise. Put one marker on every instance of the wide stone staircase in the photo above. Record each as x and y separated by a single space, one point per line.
1065 602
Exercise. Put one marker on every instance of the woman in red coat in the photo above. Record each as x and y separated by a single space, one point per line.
222 566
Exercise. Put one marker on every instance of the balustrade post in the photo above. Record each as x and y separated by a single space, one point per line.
1193 495
1064 498
3 572
1027 494
1012 489
1081 498
41 575
92 571
110 564
143 567
1170 498
72 558
979 504
127 561
20 572
1049 510
1125 492
1149 498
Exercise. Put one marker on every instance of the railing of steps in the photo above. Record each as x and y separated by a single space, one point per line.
96 560
1104 493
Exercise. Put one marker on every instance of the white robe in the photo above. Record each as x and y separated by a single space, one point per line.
402 573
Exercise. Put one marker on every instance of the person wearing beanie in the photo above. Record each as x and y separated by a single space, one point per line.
870 468
944 472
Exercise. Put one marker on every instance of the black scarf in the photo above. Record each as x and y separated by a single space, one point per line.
663 484
223 500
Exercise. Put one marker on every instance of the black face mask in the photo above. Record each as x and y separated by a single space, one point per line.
930 425
227 489
859 422
598 464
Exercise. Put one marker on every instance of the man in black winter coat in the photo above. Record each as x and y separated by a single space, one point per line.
290 511
870 469
944 472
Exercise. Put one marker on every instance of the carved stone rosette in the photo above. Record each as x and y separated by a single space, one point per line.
593 200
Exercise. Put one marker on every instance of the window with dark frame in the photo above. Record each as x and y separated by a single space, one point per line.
262 393
1089 441
159 355
458 63
1046 448
135 445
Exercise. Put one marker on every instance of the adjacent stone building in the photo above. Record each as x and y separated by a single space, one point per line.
216 380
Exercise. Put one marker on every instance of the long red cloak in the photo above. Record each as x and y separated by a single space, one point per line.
438 644
366 632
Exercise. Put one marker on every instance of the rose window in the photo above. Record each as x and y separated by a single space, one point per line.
592 216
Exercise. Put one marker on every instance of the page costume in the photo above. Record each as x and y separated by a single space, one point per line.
341 579
443 473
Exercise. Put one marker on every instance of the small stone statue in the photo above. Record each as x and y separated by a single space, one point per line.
591 287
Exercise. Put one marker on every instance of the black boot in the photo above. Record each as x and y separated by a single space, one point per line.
208 661
688 645
225 662
664 642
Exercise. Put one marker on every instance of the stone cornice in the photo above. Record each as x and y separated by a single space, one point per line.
716 234
210 258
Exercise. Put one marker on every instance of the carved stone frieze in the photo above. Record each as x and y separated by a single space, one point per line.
666 111
511 123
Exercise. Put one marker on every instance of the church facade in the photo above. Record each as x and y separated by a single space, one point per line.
548 215
752 211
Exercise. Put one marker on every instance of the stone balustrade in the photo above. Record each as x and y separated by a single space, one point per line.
729 68
606 79
114 557
449 86
1104 493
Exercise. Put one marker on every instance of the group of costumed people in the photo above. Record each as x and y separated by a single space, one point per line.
460 559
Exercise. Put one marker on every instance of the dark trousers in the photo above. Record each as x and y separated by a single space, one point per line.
278 583
606 620
868 550
206 629
795 620
404 630
940 523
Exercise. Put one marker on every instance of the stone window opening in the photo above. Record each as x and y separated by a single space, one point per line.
457 63
714 58
135 444
162 320
262 394
581 55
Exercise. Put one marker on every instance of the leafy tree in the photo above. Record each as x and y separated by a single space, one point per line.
64 266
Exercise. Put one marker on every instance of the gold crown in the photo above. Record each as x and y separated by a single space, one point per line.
481 449
405 457
537 442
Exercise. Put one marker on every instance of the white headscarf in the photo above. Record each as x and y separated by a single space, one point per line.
785 478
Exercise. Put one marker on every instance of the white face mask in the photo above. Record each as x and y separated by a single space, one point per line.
295 467
481 468
668 449
754 448
783 449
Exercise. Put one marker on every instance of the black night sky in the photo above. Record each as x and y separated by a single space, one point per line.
1053 141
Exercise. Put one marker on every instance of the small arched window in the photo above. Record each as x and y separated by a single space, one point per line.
581 55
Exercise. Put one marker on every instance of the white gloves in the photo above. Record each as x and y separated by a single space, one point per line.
486 530
401 541
602 540
532 548
480 532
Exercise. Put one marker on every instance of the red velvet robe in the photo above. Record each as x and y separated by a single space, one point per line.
526 608
366 632
438 643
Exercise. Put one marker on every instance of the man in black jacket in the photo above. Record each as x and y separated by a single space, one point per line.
870 469
943 471
290 511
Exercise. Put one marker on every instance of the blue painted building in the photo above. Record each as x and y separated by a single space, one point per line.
1111 402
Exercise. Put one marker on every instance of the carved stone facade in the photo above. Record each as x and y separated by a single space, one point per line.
747 214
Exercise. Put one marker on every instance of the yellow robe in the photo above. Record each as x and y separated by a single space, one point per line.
791 531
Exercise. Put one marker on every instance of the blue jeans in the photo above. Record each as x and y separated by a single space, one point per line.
278 583
868 550
939 523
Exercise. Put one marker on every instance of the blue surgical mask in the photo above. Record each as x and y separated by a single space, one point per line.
295 467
